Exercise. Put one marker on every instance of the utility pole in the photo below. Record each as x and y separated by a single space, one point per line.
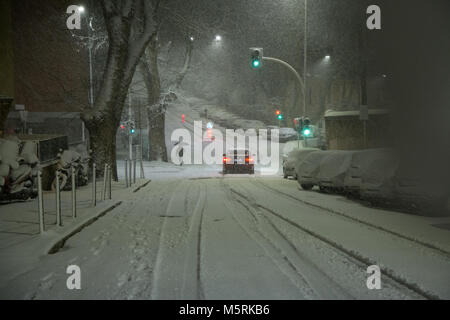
130 136
305 58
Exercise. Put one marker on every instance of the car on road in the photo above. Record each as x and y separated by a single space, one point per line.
238 161
292 159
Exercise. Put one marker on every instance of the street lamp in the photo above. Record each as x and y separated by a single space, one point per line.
81 9
192 38
218 38
327 57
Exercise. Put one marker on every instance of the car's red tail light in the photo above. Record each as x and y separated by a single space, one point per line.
249 160
225 159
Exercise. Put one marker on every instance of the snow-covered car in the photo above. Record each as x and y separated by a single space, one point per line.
333 170
292 159
287 134
307 170
361 163
269 130
378 179
238 161
421 193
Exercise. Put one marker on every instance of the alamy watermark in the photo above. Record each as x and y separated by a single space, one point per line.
74 280
264 151
374 280
374 20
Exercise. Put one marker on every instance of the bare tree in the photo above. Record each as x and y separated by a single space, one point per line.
130 27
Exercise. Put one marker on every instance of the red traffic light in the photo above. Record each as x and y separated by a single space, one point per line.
278 112
183 117
122 127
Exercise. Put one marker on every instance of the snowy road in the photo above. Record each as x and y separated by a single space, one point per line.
233 238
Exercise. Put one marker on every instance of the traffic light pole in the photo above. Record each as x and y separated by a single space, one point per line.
297 75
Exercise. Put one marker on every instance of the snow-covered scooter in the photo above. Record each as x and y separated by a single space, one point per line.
67 160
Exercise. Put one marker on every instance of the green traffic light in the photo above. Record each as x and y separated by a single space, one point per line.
307 132
256 63
280 117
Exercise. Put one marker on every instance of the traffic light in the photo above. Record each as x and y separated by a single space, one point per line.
279 115
306 130
256 55
132 128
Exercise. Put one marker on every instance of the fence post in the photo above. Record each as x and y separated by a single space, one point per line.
142 169
105 180
58 199
126 173
40 202
134 171
130 172
110 182
74 193
94 185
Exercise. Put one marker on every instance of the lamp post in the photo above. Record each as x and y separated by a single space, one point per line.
305 58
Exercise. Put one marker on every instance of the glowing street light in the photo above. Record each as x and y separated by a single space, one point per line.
192 38
218 38
81 9
327 57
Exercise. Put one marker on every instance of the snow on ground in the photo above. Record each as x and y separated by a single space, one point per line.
240 237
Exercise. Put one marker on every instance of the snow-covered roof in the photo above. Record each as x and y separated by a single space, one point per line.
353 113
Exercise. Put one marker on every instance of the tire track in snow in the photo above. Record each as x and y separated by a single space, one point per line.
364 261
178 266
342 215
303 272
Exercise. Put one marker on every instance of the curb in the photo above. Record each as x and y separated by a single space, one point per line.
59 243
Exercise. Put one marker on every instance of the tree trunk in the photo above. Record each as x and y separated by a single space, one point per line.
156 111
157 136
127 43
103 142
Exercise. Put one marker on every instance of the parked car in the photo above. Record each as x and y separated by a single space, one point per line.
290 161
333 170
308 168
269 131
378 179
361 163
287 134
238 161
